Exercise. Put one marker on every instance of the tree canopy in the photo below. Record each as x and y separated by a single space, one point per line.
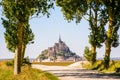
73 9
11 35
17 14
93 12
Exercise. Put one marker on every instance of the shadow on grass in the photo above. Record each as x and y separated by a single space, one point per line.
83 73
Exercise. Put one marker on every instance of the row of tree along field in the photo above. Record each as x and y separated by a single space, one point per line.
97 12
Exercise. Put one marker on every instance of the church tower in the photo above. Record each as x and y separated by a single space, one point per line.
60 39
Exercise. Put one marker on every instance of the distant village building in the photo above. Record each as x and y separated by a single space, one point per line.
59 52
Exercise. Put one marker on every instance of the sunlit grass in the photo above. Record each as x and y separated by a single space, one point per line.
113 67
6 73
54 63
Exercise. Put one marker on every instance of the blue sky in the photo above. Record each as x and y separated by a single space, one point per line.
47 31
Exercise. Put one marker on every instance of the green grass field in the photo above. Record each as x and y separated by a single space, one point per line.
54 63
6 73
114 66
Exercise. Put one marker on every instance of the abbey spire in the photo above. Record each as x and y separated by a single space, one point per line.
60 39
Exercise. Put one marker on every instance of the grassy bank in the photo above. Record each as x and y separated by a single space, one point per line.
54 63
6 73
114 66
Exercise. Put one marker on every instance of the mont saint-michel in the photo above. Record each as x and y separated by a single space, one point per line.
59 52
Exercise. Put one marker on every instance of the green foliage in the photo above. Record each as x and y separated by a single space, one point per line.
73 9
11 34
97 21
25 8
87 54
110 13
26 61
95 11
113 14
21 11
43 55
10 63
97 66
114 66
97 37
115 36
65 54
18 13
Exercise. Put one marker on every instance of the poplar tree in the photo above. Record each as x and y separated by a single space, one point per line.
78 9
112 7
19 12
11 36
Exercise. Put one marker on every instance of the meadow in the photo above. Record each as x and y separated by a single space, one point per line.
114 66
54 63
28 73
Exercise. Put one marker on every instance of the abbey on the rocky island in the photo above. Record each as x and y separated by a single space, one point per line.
59 47
59 52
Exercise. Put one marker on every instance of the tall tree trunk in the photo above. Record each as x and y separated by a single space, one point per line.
93 52
17 58
108 41
23 43
93 46
23 52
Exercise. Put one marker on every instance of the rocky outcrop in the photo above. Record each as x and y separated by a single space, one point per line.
59 52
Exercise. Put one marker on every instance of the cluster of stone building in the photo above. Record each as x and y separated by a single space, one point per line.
59 52
58 47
